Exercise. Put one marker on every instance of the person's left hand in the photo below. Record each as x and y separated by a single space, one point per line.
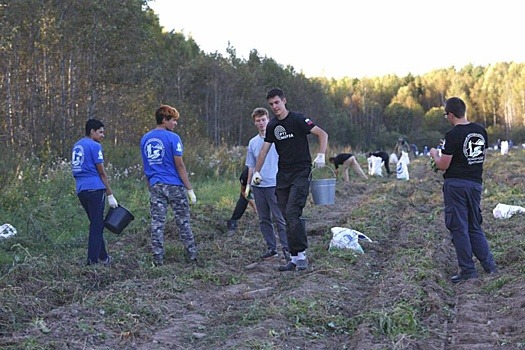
319 161
192 197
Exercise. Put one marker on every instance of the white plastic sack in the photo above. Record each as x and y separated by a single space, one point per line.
375 166
402 171
504 211
404 158
504 147
393 158
345 238
6 231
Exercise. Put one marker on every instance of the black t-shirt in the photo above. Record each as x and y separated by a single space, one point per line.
290 138
466 144
383 155
340 159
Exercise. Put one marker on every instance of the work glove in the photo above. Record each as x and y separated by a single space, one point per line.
319 161
192 197
256 178
112 201
248 191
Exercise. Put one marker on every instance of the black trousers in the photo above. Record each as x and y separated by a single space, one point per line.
292 191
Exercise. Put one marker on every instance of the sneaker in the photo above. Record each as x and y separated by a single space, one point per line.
493 270
288 267
192 256
302 265
462 277
158 260
108 261
269 254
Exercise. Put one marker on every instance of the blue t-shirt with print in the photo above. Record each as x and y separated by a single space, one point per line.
158 148
86 154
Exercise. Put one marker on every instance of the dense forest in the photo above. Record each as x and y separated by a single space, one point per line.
62 62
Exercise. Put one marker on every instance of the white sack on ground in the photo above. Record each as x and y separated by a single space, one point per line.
375 166
504 211
345 238
6 231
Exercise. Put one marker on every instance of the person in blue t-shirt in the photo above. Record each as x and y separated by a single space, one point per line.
92 185
168 182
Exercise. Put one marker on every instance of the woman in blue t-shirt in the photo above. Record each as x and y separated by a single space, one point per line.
92 186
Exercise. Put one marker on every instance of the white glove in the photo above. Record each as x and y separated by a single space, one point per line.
319 161
192 197
256 178
247 191
112 201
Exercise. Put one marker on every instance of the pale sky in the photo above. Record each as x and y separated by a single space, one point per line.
366 38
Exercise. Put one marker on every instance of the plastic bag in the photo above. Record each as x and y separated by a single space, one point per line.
345 238
375 166
6 231
404 158
504 211
504 147
402 171
393 159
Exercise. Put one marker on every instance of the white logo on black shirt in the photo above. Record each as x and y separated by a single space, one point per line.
281 133
473 148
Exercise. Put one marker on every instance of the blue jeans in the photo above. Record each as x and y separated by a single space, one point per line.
93 203
463 219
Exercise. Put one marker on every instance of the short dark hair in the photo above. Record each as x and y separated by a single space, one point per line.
166 112
275 92
456 106
93 124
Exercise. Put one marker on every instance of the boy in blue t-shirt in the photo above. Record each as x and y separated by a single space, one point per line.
92 185
168 182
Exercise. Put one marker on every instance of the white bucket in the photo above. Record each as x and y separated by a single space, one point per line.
323 190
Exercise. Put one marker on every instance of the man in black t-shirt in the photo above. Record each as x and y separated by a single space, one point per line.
462 158
289 131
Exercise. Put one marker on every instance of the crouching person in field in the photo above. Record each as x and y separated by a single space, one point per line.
347 160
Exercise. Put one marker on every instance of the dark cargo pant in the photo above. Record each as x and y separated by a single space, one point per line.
292 192
463 219
162 196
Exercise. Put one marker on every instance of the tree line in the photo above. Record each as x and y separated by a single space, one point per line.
62 62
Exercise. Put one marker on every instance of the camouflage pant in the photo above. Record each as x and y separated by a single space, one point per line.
162 196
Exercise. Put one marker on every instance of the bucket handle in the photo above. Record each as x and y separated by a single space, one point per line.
314 168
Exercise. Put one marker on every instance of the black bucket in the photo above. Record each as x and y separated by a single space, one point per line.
117 219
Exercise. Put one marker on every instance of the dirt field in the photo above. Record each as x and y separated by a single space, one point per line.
397 295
